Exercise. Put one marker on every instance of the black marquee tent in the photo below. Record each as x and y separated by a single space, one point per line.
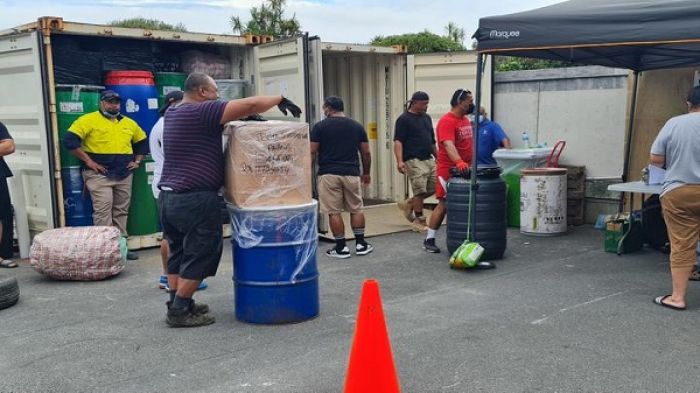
639 35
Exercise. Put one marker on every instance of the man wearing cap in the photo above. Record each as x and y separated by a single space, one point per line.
338 142
193 173
111 147
415 150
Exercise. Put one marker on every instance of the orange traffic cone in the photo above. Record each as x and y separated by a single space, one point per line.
371 368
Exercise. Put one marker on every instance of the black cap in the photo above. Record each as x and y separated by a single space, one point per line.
420 96
172 96
109 95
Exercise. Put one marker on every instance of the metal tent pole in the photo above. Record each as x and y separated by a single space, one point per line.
475 145
630 132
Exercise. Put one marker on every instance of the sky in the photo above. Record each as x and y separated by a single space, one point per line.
346 21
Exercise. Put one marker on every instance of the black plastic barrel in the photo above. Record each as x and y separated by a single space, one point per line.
490 212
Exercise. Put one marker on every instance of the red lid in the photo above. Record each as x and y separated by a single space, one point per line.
129 78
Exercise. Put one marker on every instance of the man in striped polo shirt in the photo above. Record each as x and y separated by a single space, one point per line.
193 172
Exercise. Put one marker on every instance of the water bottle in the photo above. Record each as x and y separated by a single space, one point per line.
526 140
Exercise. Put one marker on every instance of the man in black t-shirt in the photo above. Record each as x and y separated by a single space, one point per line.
414 148
335 142
7 146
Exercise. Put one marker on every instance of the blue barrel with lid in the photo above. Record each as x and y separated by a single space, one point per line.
139 96
274 263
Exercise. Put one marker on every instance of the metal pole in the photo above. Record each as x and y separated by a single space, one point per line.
630 132
475 146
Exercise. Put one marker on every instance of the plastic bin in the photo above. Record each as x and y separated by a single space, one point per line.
511 162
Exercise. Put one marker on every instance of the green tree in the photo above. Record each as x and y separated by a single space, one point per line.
267 19
455 33
423 42
508 63
149 24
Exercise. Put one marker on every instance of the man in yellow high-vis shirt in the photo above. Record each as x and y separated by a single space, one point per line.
111 147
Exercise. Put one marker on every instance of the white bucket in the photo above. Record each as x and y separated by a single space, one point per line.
543 201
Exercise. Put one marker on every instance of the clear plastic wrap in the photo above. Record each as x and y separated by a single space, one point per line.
285 237
268 163
79 253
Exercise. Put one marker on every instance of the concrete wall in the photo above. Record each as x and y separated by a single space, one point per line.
585 106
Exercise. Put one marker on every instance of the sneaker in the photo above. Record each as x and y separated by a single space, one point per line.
131 256
429 246
202 286
186 318
163 282
195 308
363 249
342 254
406 209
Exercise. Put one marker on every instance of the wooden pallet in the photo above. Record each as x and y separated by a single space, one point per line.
575 194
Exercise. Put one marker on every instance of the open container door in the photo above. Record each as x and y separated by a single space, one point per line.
281 67
23 111
292 68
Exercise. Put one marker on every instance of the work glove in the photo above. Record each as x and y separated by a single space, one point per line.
462 166
286 104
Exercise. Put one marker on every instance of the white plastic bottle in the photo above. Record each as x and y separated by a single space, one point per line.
526 140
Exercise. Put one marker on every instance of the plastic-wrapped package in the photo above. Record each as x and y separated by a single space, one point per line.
268 163
217 67
79 253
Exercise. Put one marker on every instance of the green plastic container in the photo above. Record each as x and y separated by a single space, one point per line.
73 101
143 212
513 199
167 82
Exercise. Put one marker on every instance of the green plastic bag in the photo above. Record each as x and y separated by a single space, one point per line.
466 256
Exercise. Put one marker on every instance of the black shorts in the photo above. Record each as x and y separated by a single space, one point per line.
192 225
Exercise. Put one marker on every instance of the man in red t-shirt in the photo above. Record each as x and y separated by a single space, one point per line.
454 137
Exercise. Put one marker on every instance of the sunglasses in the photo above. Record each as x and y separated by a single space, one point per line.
462 94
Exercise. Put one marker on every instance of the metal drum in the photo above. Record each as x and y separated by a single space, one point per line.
76 199
490 211
143 211
274 263
167 82
543 201
231 89
139 96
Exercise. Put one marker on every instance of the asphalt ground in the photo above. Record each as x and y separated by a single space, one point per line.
557 315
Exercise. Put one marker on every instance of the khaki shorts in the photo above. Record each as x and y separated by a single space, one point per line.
339 193
681 209
421 173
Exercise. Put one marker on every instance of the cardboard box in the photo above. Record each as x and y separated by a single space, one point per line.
268 163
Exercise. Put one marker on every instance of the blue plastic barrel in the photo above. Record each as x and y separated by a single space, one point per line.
139 96
76 199
274 263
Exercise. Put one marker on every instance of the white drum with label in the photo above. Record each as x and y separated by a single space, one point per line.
543 201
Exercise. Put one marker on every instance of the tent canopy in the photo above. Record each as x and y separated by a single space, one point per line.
635 34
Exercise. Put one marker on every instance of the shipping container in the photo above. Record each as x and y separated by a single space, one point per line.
373 81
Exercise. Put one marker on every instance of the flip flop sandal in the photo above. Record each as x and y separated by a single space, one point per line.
660 301
8 263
